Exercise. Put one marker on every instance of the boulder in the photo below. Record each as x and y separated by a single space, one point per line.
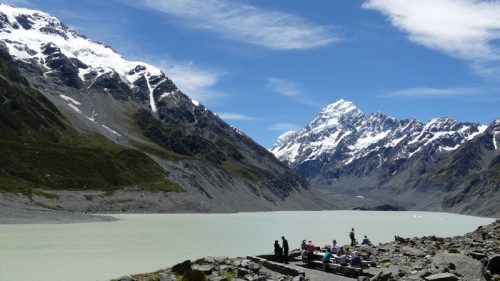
425 273
182 267
441 277
409 251
220 260
205 268
299 278
126 278
256 277
240 272
477 255
494 265
169 277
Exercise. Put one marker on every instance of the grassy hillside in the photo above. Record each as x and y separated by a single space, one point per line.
39 149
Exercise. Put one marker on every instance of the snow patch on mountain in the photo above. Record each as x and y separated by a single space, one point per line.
70 99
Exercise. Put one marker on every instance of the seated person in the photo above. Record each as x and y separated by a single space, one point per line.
367 256
304 256
366 241
343 259
356 260
335 247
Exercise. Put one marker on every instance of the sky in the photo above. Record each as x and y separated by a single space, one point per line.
267 67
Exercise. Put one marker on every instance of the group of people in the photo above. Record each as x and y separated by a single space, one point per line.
281 252
307 251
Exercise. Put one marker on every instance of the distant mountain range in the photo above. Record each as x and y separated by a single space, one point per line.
83 129
378 162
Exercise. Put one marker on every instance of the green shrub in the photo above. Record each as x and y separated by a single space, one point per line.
194 275
453 251
229 275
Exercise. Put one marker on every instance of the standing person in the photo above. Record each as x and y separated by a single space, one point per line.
310 253
303 245
285 249
326 258
352 236
277 251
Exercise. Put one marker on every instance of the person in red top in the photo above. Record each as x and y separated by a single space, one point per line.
310 252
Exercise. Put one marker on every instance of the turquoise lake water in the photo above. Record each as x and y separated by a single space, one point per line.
148 242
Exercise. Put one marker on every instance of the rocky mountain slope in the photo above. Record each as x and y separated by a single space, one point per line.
377 161
116 135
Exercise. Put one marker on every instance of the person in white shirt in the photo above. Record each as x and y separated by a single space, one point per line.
335 248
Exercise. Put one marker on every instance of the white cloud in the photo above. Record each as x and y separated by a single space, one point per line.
424 92
284 127
246 23
466 29
235 116
290 89
283 87
195 82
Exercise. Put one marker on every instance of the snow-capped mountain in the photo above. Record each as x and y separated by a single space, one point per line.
39 38
342 134
136 105
400 164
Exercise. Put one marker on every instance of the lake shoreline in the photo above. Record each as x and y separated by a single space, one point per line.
14 211
472 256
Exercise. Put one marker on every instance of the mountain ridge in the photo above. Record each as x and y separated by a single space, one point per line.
136 105
345 152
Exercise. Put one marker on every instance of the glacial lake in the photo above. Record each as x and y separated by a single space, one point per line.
148 242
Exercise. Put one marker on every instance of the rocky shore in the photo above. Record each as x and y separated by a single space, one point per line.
473 256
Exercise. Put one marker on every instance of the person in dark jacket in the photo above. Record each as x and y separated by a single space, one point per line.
356 260
366 241
278 251
352 237
285 249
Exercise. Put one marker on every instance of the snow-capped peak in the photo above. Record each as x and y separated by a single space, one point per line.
332 115
28 34
339 107
342 134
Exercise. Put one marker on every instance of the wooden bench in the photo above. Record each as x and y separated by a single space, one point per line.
339 269
344 270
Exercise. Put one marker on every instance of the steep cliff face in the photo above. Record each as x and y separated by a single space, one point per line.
96 93
402 164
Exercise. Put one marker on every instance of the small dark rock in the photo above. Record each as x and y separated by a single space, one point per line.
402 273
182 267
240 272
452 266
494 265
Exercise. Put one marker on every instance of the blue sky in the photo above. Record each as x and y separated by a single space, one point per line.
270 66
